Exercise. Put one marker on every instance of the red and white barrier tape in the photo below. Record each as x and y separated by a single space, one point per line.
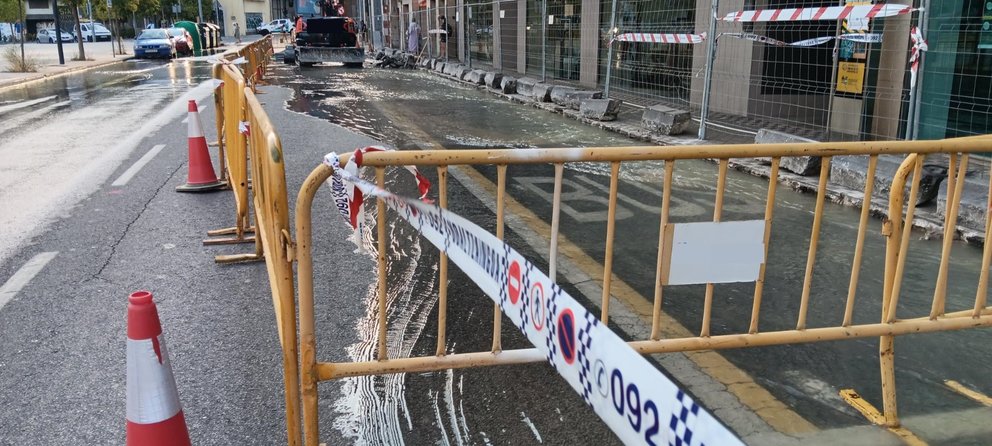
348 199
638 402
659 38
850 12
919 46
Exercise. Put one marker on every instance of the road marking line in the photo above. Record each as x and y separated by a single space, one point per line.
875 417
973 394
24 275
24 104
133 170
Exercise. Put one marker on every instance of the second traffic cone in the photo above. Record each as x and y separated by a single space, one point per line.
201 177
154 415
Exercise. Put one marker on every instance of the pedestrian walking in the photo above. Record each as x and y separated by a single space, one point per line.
237 28
445 31
413 37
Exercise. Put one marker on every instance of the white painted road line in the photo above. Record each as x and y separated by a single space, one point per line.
24 275
133 170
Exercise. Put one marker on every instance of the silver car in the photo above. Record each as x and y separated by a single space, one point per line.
48 35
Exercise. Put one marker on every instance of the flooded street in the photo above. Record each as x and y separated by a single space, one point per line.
413 109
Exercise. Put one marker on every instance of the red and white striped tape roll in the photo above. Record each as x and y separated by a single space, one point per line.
850 12
154 415
661 38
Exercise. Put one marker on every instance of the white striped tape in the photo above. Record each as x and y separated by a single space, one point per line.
151 389
854 37
639 403
850 12
661 38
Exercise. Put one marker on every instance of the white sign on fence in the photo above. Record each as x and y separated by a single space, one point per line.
713 252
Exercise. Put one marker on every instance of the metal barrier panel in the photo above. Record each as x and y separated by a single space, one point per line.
897 233
236 163
272 215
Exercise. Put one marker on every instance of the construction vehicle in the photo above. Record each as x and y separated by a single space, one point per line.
326 39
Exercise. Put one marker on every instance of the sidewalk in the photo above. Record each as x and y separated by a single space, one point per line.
47 56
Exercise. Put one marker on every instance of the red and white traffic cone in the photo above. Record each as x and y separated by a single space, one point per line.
201 177
154 415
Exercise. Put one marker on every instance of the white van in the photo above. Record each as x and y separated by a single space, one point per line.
94 30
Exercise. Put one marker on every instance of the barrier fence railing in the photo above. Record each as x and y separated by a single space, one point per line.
249 144
669 260
272 222
232 142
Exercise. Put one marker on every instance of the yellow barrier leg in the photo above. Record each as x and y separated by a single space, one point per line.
852 397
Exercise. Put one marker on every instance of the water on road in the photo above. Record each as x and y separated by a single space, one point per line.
413 109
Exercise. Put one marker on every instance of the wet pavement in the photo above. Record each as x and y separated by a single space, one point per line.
411 109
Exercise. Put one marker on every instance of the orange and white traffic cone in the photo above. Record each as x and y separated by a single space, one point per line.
201 177
154 415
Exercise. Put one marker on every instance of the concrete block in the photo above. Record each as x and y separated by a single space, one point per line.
558 94
494 79
439 67
800 165
449 68
477 77
463 73
508 85
525 85
573 99
600 109
665 120
542 92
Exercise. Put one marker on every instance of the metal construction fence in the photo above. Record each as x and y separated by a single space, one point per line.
830 70
303 370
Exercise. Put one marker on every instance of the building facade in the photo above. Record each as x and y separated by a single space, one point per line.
826 79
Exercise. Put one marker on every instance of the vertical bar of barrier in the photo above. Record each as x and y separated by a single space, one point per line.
380 180
860 244
555 222
814 239
442 299
708 77
308 341
666 200
981 296
759 285
721 184
893 253
950 224
500 203
609 52
218 72
611 226
907 230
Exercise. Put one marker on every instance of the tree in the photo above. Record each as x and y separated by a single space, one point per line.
11 10
74 9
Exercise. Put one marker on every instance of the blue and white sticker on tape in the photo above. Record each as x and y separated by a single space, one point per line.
639 403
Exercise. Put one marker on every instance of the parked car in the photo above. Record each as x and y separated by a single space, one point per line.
154 43
91 29
182 40
48 35
275 26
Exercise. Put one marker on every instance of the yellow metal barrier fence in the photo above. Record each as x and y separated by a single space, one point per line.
896 232
233 156
234 159
272 217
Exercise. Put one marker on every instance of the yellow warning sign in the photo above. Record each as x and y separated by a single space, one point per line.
851 77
